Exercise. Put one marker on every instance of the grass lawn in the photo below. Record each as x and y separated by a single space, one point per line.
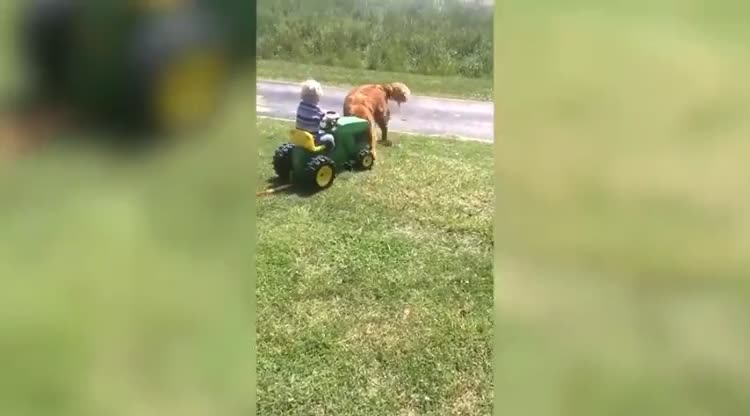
452 87
623 277
375 296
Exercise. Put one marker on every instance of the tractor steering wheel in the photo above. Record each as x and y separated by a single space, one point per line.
329 120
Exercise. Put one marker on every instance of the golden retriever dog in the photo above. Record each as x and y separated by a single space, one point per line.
370 102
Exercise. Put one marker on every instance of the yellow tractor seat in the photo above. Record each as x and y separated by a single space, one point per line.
305 140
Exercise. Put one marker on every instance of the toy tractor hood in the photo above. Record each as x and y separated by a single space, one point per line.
351 125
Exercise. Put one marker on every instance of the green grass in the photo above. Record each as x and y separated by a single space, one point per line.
375 296
451 87
622 280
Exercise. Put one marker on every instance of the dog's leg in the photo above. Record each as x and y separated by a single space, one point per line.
373 139
384 139
383 124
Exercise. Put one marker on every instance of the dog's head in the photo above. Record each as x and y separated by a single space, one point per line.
397 92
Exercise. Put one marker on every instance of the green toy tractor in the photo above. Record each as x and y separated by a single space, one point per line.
154 64
303 162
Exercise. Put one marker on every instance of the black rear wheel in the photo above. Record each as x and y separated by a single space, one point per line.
282 161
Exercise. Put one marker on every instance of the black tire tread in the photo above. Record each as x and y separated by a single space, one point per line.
282 161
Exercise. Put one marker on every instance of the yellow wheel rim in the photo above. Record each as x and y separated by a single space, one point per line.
189 90
324 176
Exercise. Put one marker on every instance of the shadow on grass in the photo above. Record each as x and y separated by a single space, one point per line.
301 190
297 190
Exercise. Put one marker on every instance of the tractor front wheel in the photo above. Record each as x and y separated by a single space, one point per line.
365 160
282 161
320 172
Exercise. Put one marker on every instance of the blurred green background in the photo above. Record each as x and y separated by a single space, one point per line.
622 227
127 282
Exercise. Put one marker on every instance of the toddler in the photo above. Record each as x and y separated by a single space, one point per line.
309 113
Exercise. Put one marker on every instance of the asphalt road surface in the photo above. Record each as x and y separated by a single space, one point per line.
420 115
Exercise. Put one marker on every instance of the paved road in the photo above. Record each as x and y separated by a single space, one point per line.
423 115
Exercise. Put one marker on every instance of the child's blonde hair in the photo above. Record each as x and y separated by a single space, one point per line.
311 91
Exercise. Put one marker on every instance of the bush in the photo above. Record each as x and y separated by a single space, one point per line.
445 37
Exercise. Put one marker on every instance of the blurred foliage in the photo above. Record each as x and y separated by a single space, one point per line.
446 37
126 283
623 229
